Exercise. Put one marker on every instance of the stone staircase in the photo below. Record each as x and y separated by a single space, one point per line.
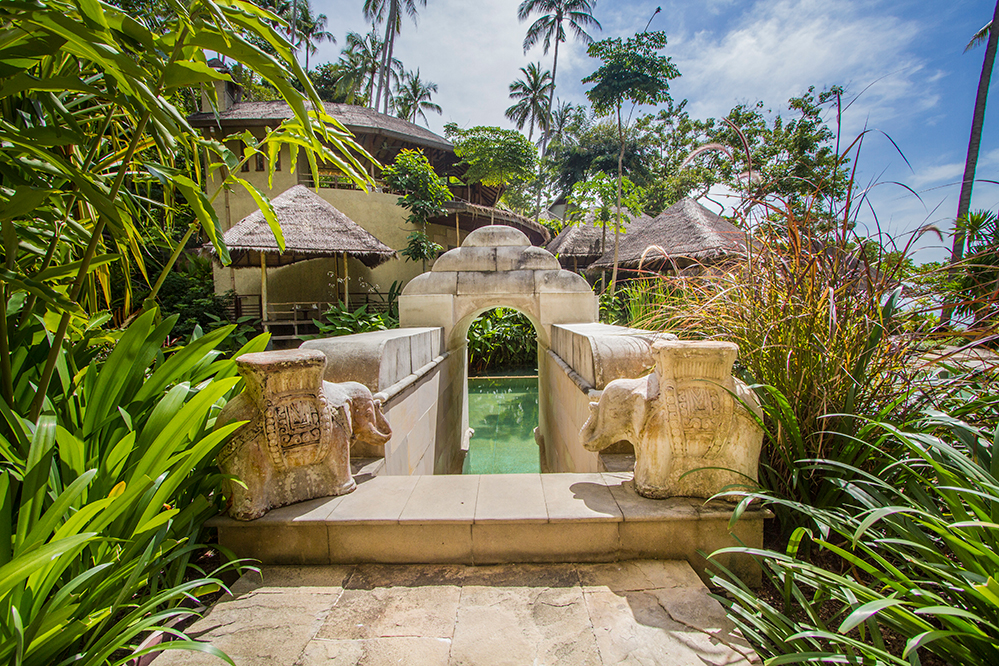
493 519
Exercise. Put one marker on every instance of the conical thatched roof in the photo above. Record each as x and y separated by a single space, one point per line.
686 232
579 244
312 228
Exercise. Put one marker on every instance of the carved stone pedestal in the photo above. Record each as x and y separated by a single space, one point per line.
692 434
296 444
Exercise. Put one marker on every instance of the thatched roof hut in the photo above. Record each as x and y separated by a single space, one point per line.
683 234
312 228
579 245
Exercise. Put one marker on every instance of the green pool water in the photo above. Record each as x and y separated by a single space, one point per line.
503 411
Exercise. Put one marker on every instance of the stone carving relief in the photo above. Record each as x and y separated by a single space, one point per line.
296 443
692 433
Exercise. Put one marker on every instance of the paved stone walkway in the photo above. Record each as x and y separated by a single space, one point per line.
636 613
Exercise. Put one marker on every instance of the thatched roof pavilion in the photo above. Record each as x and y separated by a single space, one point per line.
312 228
579 245
683 234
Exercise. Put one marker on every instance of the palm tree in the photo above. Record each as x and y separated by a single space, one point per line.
413 97
365 52
550 27
532 94
971 162
375 10
312 31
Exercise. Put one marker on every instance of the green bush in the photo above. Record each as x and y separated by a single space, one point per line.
340 320
913 551
102 500
501 339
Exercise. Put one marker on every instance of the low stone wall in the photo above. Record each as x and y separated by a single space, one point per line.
416 381
582 360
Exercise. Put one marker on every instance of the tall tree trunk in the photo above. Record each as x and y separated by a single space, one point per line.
620 176
389 25
388 73
971 162
544 136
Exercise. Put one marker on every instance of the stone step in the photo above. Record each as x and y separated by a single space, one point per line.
492 519
641 612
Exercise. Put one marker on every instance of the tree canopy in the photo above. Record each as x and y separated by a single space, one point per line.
494 156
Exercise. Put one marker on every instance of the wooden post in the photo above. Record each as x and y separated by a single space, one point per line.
457 232
346 293
263 290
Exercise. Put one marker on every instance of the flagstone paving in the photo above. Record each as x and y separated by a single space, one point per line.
636 613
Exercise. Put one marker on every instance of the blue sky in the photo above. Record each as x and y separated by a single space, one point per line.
900 61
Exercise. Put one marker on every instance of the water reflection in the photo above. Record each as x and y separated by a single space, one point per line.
504 412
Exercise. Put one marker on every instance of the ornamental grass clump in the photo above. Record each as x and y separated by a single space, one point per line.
816 317
906 565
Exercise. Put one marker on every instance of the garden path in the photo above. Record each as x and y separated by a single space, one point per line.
636 612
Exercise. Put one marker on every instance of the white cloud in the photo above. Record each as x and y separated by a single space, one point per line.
781 48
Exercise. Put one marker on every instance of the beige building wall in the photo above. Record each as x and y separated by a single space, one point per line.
321 279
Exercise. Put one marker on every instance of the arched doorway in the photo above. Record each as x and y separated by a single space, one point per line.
495 266
503 407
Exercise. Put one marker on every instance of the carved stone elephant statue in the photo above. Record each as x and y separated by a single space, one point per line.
688 422
296 443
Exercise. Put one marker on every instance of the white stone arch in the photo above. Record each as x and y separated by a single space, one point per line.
496 266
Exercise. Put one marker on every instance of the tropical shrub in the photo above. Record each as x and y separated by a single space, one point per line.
912 552
501 339
340 320
103 498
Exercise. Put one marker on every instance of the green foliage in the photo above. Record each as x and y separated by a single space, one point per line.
596 150
913 549
599 195
413 97
340 320
102 499
189 292
632 71
425 191
419 247
533 97
495 157
501 338
88 125
978 281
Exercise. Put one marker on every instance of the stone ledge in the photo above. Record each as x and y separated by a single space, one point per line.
477 519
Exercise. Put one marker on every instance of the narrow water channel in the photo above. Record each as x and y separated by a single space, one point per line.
503 411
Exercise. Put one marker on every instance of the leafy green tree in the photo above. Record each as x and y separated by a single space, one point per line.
425 194
334 83
362 56
550 27
533 95
495 157
414 97
632 71
596 150
599 195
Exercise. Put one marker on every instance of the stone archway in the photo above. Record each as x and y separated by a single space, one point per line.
496 266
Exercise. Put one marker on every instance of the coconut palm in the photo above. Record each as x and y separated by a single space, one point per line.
375 10
532 94
971 161
551 26
312 31
364 52
413 97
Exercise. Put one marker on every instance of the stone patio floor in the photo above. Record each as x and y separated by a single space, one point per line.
636 612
